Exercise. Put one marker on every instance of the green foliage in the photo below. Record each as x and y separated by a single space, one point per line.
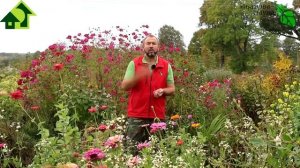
194 47
291 48
212 129
168 36
53 150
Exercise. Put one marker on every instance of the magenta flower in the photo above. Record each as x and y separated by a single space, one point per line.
190 116
2 145
69 58
94 154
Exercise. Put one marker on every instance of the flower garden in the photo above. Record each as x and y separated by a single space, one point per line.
64 108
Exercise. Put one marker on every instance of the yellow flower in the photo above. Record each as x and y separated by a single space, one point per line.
280 101
295 83
196 125
286 94
175 117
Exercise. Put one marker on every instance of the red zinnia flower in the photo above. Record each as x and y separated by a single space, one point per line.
102 127
58 67
18 94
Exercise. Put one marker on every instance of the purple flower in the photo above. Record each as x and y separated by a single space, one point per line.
94 154
190 116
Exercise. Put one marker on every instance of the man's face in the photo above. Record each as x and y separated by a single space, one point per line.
151 46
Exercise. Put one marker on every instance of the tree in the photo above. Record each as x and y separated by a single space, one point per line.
291 48
194 47
170 37
266 51
230 29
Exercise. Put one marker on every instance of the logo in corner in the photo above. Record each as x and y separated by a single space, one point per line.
18 17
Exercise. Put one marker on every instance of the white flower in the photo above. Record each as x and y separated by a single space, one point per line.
277 140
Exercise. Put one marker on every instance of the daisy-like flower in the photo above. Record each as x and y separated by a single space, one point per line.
141 146
113 141
158 126
94 154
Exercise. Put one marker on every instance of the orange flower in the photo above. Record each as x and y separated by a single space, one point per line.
175 117
196 125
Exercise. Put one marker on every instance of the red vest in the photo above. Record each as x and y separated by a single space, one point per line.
141 95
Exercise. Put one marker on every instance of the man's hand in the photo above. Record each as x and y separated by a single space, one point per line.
140 74
159 92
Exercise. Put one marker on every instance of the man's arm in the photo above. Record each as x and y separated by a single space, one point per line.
169 90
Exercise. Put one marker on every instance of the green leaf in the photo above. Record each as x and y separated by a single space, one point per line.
258 142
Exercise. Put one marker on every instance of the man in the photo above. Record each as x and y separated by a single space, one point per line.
149 79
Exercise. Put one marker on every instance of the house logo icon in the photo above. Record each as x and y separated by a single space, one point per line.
18 17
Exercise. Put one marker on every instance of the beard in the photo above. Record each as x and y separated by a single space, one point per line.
151 54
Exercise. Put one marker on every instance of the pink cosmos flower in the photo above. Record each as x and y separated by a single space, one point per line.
94 154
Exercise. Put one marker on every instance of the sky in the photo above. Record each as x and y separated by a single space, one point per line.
56 19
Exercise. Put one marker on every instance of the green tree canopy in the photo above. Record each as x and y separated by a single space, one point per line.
230 29
170 37
194 47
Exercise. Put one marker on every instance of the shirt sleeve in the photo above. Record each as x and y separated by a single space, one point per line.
129 71
170 78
